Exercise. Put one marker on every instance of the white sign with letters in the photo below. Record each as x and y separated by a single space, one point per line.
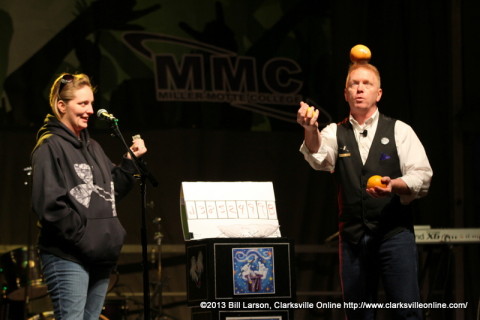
228 210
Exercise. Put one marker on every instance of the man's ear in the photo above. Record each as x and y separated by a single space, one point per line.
379 95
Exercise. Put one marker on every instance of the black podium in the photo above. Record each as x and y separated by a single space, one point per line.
240 278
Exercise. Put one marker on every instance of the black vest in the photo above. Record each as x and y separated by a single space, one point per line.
358 211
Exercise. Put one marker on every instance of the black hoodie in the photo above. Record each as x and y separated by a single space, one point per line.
74 190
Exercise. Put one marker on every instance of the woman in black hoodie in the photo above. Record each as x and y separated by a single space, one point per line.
74 190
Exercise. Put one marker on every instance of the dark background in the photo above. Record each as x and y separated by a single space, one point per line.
427 53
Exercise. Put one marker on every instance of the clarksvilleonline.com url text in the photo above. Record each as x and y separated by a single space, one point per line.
402 305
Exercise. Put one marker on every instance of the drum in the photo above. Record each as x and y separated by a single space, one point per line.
21 270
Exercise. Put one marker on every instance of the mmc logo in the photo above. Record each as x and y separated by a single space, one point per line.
211 74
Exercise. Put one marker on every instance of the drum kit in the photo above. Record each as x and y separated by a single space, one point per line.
21 281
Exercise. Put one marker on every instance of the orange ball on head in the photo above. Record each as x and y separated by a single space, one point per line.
375 181
360 54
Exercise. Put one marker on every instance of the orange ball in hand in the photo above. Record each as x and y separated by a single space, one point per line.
360 53
375 181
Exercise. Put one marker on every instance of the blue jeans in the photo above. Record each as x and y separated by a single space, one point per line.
77 292
394 261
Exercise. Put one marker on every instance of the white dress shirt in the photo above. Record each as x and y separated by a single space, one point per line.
414 164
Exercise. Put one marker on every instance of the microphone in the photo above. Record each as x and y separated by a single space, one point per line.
104 115
364 133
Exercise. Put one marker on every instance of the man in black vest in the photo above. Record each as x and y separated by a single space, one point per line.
375 224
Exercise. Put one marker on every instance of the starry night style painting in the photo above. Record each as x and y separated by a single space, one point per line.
253 271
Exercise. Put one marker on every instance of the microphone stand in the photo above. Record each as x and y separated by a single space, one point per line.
142 174
26 306
157 293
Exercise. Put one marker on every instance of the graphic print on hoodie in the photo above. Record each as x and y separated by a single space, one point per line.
83 192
